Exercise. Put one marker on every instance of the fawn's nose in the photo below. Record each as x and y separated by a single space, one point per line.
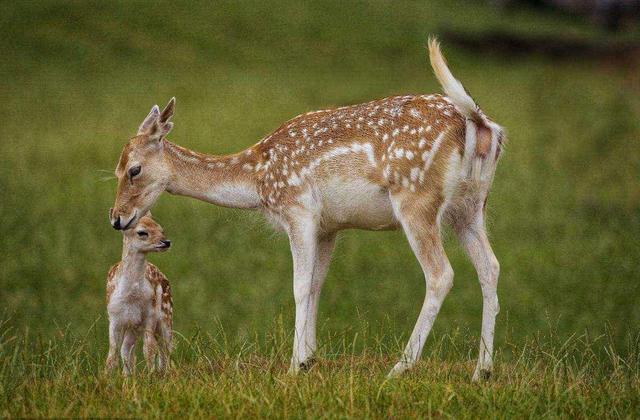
166 243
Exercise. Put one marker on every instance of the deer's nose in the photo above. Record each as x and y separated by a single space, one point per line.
166 242
116 224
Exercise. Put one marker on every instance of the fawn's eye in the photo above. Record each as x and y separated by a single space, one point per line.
135 170
142 234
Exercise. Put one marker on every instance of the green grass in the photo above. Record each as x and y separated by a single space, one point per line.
214 377
77 78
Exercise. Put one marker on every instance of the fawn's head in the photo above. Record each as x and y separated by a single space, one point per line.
142 171
146 236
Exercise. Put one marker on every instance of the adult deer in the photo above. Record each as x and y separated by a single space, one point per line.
406 161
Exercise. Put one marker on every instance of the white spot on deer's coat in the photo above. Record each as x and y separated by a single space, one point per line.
433 151
294 180
414 174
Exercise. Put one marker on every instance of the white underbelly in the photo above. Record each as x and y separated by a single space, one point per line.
355 203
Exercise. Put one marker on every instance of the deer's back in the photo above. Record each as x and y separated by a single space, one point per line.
352 157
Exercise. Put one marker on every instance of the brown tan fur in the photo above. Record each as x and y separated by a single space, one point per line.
155 278
409 161
399 129
139 300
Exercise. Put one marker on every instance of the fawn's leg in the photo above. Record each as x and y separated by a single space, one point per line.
473 236
150 348
166 345
115 339
127 352
419 219
303 237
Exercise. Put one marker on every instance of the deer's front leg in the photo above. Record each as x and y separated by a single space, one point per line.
303 237
127 352
320 269
115 339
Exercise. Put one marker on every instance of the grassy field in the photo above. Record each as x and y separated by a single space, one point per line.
76 80
212 378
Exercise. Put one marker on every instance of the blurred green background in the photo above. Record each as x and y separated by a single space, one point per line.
76 79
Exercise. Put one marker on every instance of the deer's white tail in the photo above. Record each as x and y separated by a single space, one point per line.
483 136
451 86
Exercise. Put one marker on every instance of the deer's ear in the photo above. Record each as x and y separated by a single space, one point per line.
158 130
149 119
161 126
168 110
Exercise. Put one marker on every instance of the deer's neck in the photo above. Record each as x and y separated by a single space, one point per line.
132 267
227 181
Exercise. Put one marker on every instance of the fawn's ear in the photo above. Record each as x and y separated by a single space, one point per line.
149 119
161 126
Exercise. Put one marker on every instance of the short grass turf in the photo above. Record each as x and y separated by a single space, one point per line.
564 214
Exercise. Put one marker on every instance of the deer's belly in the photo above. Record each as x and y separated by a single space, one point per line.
357 204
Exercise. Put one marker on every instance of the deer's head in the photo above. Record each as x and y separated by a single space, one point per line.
142 171
146 236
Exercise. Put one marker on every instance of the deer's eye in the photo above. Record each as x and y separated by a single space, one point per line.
135 170
142 234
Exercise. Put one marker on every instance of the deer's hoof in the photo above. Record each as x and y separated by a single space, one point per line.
399 369
307 364
297 367
481 375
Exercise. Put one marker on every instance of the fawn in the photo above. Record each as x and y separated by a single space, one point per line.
139 300
412 162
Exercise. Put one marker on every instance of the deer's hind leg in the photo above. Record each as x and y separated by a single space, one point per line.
470 229
150 348
165 334
419 214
